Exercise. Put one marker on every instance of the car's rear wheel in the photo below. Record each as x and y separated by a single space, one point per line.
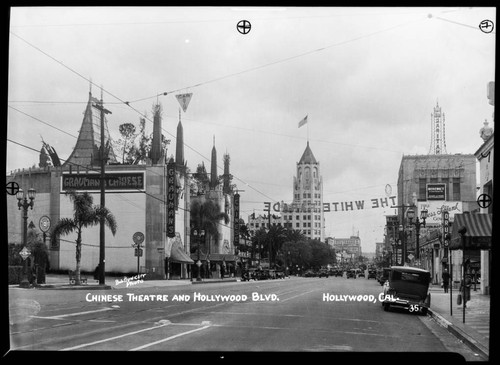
386 307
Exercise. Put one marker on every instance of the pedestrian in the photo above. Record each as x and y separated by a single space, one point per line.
466 295
446 280
222 270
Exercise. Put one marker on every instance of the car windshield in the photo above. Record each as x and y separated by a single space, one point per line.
415 277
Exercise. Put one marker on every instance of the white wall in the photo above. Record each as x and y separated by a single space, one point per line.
129 211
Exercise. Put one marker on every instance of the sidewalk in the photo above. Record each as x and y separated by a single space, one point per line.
61 281
475 332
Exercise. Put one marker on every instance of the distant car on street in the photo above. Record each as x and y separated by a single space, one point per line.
351 274
383 275
323 273
309 274
372 274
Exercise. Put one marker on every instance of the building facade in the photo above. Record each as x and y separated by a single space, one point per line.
347 250
136 194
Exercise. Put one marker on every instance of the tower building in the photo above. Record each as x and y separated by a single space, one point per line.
305 213
438 143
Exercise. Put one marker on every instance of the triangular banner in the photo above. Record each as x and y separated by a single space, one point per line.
184 100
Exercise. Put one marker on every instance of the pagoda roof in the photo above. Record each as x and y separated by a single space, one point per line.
86 150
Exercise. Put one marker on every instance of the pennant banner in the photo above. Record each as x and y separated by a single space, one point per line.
303 121
184 100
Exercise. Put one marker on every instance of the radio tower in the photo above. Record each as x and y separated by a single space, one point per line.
438 143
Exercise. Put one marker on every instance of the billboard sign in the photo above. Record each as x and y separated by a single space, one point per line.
436 191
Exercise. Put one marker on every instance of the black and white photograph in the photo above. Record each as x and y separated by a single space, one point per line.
243 180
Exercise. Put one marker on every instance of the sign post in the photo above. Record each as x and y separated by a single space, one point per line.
138 238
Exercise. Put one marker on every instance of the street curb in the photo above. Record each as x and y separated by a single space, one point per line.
458 333
74 287
214 281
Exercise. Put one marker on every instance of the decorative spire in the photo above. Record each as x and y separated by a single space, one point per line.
214 181
156 150
179 148
486 131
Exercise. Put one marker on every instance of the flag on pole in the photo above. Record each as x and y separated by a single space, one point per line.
303 121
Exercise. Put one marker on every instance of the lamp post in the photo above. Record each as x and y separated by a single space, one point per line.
402 230
198 263
411 215
22 202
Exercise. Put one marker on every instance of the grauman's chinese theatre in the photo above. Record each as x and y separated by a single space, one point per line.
151 198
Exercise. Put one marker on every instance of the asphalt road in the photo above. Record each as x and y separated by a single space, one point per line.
288 315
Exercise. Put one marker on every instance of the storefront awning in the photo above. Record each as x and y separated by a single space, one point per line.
177 254
478 235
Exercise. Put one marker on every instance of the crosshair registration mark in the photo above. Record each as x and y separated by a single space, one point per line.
244 26
486 26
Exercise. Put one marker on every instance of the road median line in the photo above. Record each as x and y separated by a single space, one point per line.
169 338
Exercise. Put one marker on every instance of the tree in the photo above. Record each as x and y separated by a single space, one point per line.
85 215
126 143
206 215
275 237
258 240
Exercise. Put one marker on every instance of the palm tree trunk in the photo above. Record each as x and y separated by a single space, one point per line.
78 257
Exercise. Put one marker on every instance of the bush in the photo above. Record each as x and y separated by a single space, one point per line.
15 274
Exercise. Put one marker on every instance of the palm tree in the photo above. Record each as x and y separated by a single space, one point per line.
85 215
206 215
275 237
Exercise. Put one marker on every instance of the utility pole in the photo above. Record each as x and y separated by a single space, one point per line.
103 158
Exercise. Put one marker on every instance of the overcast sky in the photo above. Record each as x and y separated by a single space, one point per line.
368 79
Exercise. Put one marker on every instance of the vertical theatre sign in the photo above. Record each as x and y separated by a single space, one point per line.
171 200
236 239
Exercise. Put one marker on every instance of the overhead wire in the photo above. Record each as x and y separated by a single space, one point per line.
127 103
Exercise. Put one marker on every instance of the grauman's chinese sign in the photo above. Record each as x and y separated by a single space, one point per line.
113 181
333 206
171 200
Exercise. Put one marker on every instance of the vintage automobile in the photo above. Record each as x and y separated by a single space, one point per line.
310 274
280 274
352 273
383 275
249 274
408 288
323 273
372 274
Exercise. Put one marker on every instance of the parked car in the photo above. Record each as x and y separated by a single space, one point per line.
280 274
309 274
360 273
408 288
383 275
323 273
248 275
351 274
372 274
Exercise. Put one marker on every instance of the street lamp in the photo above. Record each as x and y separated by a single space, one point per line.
198 238
22 202
423 215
